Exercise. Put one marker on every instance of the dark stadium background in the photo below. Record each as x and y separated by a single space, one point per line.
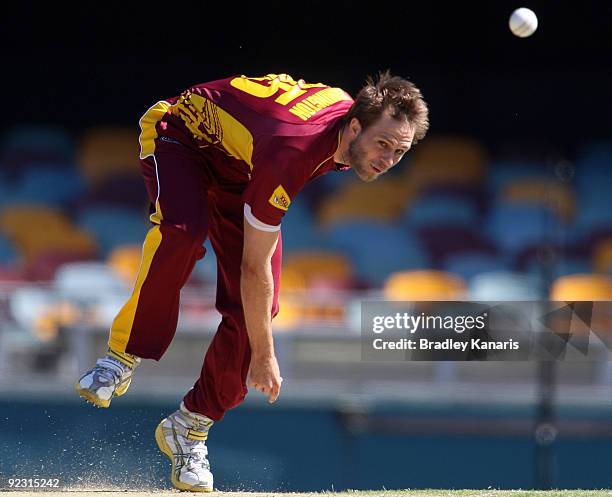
107 62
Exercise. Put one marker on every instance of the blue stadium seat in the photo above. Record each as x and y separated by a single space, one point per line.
596 215
49 185
515 226
503 172
28 145
595 154
592 177
8 252
206 268
562 267
113 226
298 228
433 210
377 250
469 264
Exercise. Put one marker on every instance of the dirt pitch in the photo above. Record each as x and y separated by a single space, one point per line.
386 493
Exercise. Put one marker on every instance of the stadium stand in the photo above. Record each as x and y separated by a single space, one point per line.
451 221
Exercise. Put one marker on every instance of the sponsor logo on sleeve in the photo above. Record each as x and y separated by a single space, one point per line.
280 198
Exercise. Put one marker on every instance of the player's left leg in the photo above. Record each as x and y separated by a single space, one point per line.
177 180
222 384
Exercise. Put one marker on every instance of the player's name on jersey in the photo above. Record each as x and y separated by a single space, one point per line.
319 101
445 344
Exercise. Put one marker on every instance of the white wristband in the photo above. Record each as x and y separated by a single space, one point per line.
256 223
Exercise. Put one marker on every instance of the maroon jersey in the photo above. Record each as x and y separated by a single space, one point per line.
267 136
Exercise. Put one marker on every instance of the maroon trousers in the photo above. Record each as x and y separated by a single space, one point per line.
189 207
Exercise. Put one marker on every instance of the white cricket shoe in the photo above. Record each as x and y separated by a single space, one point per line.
110 377
182 437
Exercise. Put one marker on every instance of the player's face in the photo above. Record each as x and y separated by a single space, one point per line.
379 147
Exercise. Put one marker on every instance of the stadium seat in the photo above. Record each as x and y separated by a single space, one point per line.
555 195
106 151
27 305
29 145
516 226
380 201
506 285
562 266
447 160
16 219
12 274
113 226
433 210
507 171
471 263
424 285
602 257
8 252
592 168
36 230
442 242
44 265
120 190
551 253
475 194
594 215
53 186
205 269
33 245
125 260
593 184
310 269
578 287
298 228
377 250
87 282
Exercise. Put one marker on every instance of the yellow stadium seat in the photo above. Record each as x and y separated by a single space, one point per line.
33 244
105 152
447 160
37 219
584 287
424 285
292 280
36 230
558 196
309 267
577 287
289 315
380 201
125 261
602 256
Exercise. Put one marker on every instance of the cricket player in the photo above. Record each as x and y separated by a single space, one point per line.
224 160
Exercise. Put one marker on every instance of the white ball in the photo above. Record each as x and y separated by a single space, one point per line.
523 22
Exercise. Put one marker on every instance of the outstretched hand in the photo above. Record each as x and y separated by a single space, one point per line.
264 376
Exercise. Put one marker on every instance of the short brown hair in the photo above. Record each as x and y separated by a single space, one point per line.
399 95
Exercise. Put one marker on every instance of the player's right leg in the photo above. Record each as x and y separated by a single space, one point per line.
110 377
177 184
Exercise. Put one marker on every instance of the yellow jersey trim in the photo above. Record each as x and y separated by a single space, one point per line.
148 123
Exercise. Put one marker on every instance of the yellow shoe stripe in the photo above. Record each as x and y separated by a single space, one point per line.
197 435
124 358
